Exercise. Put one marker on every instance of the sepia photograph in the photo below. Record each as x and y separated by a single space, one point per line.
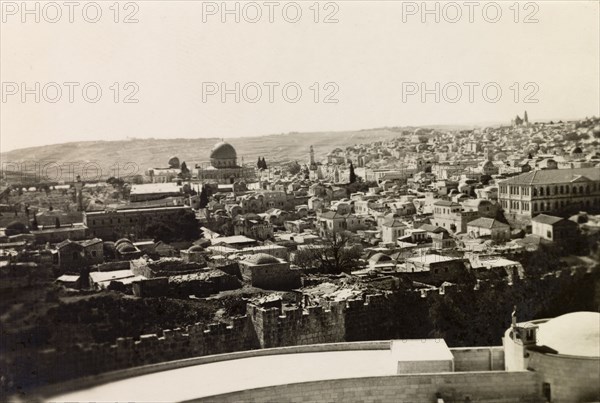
379 201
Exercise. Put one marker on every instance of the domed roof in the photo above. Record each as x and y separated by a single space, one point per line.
124 247
262 258
122 240
223 150
576 333
380 257
196 248
174 162
17 227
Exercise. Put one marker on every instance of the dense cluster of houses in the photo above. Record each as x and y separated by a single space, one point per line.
428 206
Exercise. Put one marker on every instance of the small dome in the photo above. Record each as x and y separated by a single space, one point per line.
380 257
223 150
125 248
262 258
17 226
196 248
174 162
122 240
576 333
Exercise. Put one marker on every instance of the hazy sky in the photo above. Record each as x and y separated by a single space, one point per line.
371 55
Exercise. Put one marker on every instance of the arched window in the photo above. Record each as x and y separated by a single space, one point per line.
534 191
574 190
580 189
541 191
562 189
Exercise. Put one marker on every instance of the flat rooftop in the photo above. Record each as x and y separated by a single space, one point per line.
206 376
150 188
217 378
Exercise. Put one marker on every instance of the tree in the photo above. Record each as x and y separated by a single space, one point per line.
204 197
485 179
185 171
264 163
57 222
294 168
352 173
115 182
335 255
259 163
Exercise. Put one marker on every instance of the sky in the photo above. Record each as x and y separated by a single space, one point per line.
175 68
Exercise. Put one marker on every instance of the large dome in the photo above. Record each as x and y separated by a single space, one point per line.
575 333
223 150
223 155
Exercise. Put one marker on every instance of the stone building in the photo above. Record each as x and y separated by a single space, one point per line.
392 229
265 271
489 227
450 216
547 191
117 223
563 351
224 166
73 256
554 229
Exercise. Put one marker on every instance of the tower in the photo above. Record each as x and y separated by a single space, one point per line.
525 119
79 192
312 156
488 153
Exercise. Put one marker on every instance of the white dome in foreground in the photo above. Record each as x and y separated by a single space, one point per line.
576 333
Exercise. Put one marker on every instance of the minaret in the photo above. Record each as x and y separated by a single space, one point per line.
525 118
79 193
489 155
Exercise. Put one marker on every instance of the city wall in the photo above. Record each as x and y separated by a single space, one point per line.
375 317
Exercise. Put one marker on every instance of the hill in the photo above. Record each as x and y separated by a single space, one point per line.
151 152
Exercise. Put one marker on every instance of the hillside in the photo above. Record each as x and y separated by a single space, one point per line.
151 152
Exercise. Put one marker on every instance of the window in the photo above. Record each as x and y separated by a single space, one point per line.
549 234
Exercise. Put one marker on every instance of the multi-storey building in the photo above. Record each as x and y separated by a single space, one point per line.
128 222
548 191
450 215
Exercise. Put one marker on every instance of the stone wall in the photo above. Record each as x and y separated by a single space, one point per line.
296 326
50 366
497 387
569 378
478 359
376 317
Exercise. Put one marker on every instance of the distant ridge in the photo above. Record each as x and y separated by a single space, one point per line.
153 152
